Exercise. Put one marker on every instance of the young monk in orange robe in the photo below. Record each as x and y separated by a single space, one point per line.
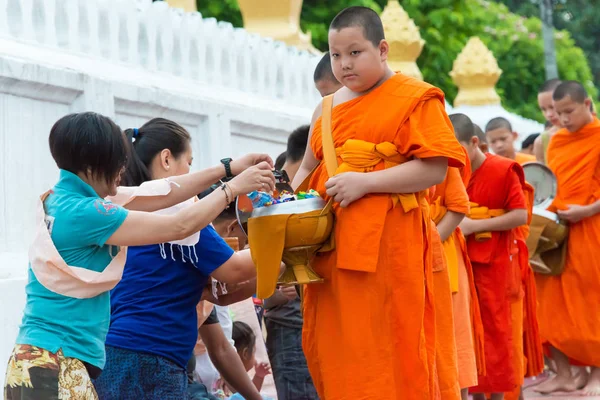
497 207
375 311
449 205
569 304
483 144
540 145
527 344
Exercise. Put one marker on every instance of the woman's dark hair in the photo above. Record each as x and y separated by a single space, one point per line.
89 142
148 141
243 337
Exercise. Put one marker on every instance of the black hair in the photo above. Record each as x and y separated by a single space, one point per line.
573 89
463 127
280 161
550 85
479 133
243 337
297 142
548 125
323 70
498 123
148 141
89 142
529 140
361 17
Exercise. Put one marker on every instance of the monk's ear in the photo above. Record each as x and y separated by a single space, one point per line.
515 135
588 104
475 141
384 49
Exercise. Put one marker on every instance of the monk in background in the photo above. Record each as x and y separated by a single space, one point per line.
569 304
449 205
374 316
497 207
325 82
527 345
501 138
546 104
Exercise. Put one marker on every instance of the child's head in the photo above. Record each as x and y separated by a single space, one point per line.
226 224
545 101
500 136
160 148
91 146
464 130
325 81
296 147
280 161
483 144
245 343
573 105
358 48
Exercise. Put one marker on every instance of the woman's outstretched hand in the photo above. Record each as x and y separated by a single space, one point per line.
243 163
257 177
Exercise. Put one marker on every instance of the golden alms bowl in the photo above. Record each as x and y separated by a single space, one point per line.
291 232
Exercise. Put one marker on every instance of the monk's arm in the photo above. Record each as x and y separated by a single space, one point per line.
576 213
411 177
309 162
449 223
506 222
538 149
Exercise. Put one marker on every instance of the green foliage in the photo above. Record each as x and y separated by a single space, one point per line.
446 26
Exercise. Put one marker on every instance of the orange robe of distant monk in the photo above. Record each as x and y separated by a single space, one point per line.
451 195
522 158
498 185
369 329
569 304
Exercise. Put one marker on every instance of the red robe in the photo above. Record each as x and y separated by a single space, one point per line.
497 184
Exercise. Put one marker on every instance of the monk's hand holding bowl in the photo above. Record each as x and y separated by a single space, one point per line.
256 177
575 213
241 164
347 187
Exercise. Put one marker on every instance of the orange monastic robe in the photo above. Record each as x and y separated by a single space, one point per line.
451 195
569 304
498 185
522 158
373 316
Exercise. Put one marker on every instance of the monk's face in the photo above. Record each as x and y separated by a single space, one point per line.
573 115
547 106
501 141
356 62
327 86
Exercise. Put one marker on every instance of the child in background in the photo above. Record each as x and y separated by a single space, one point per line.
245 344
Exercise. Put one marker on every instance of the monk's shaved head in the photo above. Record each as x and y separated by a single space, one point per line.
498 123
360 17
549 85
479 133
464 129
573 89
323 70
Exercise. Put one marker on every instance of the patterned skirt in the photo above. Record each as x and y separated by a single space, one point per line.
36 374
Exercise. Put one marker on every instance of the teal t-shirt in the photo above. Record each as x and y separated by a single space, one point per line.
80 223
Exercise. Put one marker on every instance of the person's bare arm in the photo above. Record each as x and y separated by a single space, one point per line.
227 361
142 228
411 177
538 149
238 268
448 224
575 213
190 185
235 293
281 297
506 222
309 162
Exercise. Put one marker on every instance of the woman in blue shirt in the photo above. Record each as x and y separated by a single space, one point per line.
60 344
153 326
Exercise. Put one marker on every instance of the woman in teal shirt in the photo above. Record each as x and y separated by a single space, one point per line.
60 344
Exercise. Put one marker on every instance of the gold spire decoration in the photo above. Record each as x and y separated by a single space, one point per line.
277 19
476 73
404 38
187 5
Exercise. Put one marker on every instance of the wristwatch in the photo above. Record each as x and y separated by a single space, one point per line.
227 164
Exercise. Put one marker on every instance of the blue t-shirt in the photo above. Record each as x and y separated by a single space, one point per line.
80 223
154 305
